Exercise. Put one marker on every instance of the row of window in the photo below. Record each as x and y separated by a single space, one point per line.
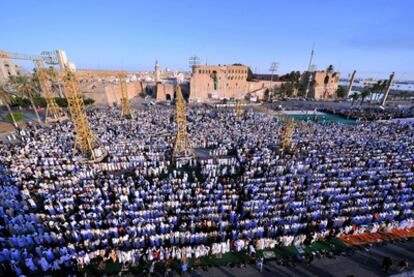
230 71
235 78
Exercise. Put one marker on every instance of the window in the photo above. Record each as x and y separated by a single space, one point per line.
199 71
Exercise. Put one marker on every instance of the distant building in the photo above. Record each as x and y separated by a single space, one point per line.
8 69
322 84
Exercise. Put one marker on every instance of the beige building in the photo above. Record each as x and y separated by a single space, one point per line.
322 84
218 82
8 69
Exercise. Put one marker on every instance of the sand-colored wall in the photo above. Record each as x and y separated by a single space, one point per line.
107 93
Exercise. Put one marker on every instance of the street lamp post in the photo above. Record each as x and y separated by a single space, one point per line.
272 69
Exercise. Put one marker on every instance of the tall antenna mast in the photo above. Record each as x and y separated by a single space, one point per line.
311 57
311 68
194 61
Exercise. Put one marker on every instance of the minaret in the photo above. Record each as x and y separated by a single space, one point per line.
157 71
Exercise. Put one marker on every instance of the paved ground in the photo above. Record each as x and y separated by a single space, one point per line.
362 263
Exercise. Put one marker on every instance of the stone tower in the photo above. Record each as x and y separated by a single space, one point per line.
157 71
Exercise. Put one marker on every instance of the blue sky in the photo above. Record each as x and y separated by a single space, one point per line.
374 37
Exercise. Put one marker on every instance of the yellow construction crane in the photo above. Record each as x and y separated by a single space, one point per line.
121 75
287 133
238 108
54 113
182 145
85 141
125 104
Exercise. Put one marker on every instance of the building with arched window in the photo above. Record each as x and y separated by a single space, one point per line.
322 84
218 82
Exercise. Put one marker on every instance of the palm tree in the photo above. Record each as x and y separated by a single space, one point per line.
7 100
25 86
325 83
354 98
382 87
293 78
365 93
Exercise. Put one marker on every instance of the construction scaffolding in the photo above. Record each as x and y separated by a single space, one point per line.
238 108
85 141
182 146
125 104
54 113
287 134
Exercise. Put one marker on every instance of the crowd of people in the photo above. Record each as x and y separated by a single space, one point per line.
370 114
137 206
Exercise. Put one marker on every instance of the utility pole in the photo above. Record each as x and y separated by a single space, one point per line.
351 83
311 57
390 80
273 68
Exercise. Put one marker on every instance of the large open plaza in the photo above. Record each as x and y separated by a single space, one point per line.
244 195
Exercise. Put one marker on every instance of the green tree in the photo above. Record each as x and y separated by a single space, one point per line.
7 100
25 87
354 98
292 85
287 89
382 87
88 101
365 93
61 102
266 94
341 92
250 74
325 84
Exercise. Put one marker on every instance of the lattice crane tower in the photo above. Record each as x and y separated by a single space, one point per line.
54 113
286 135
85 140
125 105
182 145
238 108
